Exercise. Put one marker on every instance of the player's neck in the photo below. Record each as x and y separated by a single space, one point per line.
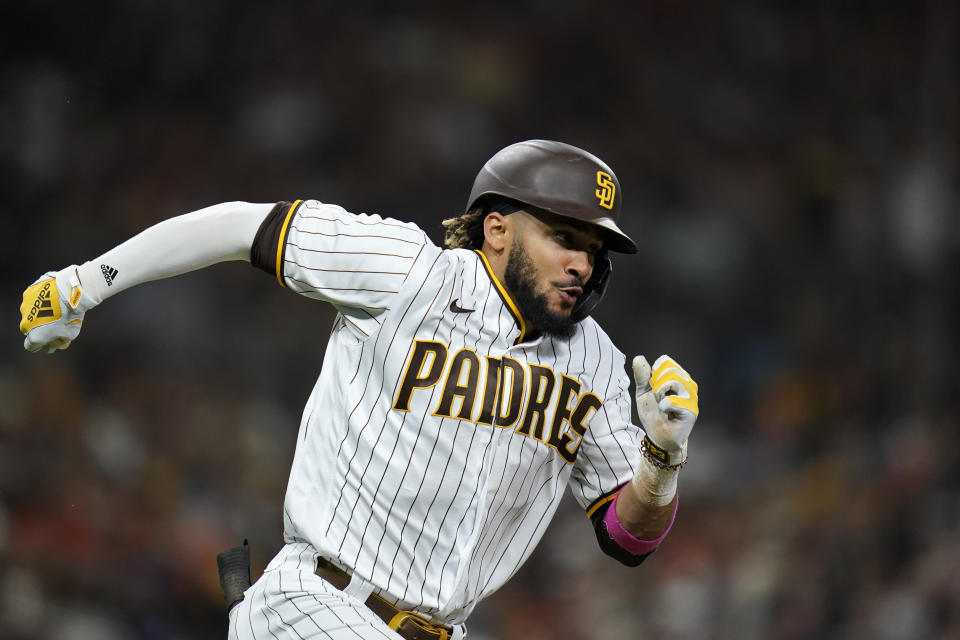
497 260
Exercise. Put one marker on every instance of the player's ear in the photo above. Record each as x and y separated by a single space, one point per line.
496 230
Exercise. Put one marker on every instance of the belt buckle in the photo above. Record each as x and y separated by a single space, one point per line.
403 616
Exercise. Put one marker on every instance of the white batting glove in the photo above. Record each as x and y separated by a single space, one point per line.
52 310
668 407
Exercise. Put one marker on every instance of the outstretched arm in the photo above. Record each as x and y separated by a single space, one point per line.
54 306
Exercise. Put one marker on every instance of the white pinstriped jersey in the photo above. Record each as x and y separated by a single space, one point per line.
437 442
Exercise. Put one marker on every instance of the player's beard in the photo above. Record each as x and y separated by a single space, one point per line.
520 279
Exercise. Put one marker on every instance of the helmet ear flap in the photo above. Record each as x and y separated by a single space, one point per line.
596 287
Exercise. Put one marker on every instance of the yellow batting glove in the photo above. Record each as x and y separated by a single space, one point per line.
668 406
52 311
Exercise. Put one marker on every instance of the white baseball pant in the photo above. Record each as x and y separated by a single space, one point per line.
290 601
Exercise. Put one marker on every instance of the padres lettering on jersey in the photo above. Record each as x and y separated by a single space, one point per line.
460 381
438 440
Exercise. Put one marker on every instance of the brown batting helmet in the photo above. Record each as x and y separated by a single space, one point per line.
559 178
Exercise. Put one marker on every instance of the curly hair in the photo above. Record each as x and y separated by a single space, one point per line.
466 231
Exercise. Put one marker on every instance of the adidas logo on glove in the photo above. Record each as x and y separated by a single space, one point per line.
42 305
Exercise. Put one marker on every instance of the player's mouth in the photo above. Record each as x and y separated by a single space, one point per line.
570 295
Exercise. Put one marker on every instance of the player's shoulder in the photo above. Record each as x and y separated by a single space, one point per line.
313 209
467 263
462 256
589 333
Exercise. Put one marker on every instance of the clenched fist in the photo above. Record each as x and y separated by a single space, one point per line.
668 407
52 310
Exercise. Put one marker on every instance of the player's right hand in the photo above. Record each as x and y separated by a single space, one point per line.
52 310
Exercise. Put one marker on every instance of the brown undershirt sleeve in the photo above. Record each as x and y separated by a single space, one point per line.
266 253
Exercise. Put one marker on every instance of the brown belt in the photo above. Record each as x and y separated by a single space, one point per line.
408 624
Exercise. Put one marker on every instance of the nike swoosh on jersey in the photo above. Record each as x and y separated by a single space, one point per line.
456 308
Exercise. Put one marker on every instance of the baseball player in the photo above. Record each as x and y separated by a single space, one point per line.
462 391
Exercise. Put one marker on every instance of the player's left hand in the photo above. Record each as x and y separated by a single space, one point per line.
52 310
667 404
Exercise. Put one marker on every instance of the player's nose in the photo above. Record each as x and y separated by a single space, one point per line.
579 264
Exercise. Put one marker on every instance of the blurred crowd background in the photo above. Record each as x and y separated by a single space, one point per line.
790 171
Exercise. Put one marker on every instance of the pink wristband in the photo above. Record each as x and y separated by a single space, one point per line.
626 539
